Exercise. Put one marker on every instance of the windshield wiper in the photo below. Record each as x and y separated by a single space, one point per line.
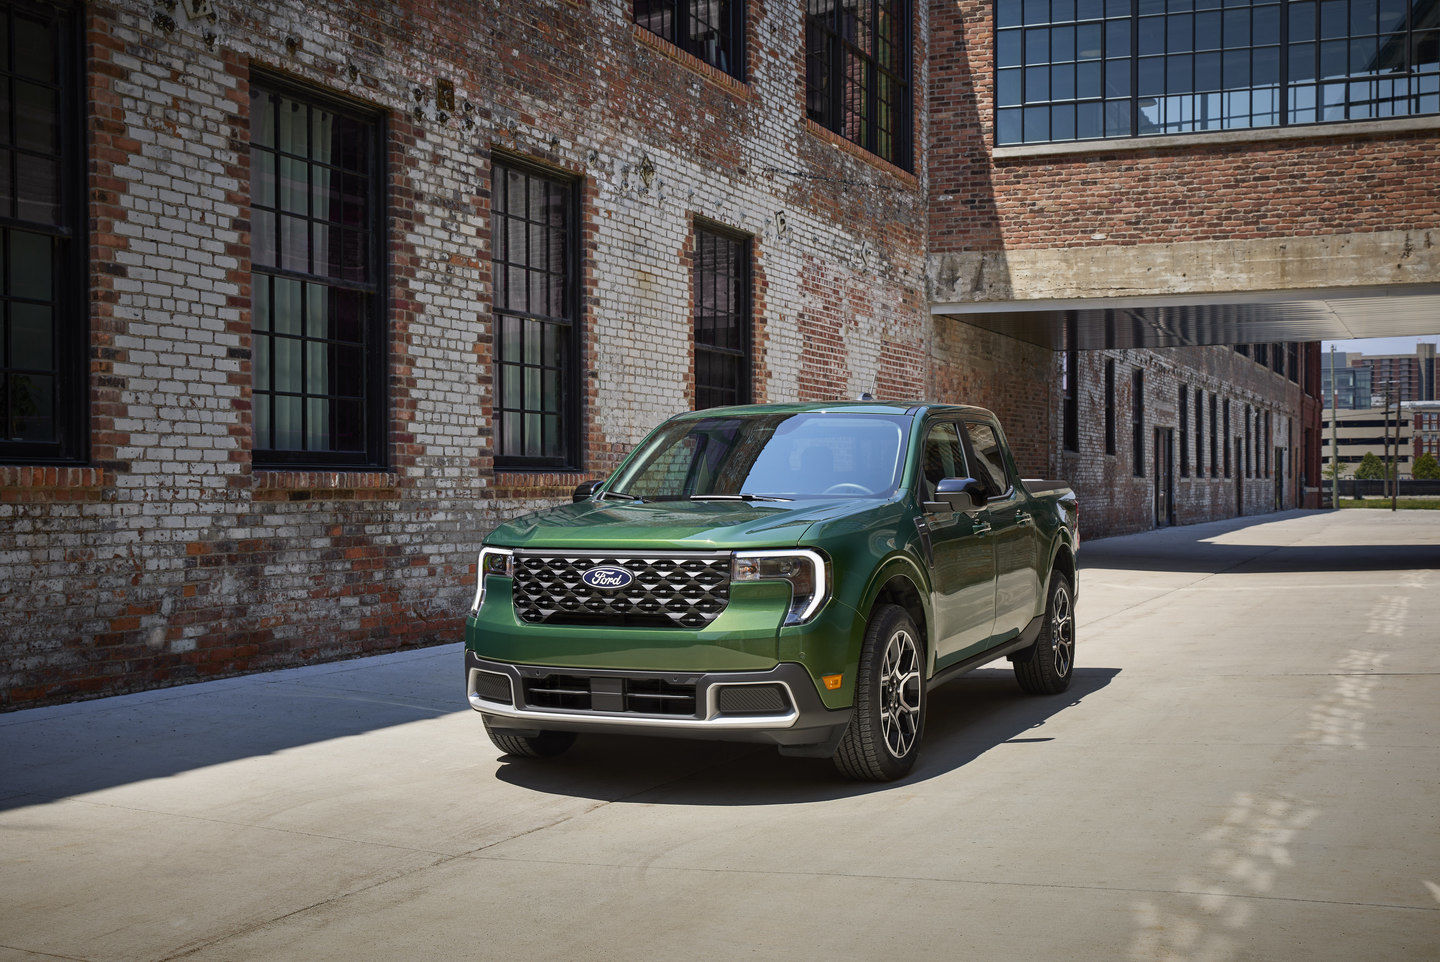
622 495
737 497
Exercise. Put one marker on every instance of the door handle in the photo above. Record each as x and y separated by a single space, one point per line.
1023 518
982 527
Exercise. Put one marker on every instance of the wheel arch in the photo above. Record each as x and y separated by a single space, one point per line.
900 582
1062 559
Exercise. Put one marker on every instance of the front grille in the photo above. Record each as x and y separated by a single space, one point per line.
642 696
667 591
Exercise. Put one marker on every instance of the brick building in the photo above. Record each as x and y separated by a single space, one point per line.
303 298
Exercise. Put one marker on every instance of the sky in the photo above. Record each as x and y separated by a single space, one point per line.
1381 345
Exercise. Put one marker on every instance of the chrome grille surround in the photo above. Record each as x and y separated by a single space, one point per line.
669 589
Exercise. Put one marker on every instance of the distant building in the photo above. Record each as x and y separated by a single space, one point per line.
1362 431
1425 427
1353 386
1410 376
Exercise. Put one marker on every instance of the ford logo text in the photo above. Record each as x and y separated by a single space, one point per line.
607 576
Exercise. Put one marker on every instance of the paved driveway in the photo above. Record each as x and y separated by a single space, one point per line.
1246 768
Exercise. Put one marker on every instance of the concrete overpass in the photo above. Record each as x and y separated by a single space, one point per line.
1311 288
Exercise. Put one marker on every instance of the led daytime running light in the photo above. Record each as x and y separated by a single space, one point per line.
493 561
805 570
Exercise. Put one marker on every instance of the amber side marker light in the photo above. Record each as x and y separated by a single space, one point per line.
832 682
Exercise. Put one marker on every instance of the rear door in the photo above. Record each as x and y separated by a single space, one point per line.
962 559
1013 531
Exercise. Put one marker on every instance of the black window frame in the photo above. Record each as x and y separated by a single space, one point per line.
1137 422
571 406
677 31
1110 406
1070 381
1293 91
69 238
825 104
744 254
376 347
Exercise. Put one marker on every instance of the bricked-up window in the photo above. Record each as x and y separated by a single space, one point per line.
1292 360
721 294
317 235
857 73
1091 69
534 219
1070 383
1226 427
713 30
1214 437
1184 419
1199 433
1109 405
1137 422
42 250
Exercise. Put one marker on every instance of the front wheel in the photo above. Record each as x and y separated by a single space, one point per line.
889 718
1051 661
543 745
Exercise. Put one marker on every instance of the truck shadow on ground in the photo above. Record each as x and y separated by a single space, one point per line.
978 713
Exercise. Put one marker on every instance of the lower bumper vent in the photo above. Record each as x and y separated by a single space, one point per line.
752 700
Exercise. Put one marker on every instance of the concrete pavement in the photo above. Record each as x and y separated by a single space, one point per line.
1246 767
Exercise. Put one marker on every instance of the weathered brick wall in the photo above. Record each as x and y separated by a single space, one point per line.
1323 185
1116 501
172 557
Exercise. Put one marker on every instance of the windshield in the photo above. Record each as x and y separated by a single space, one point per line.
770 456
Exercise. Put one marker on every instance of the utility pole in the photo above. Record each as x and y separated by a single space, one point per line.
1395 460
1334 433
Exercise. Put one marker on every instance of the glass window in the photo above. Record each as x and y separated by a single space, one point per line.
713 30
721 294
1208 65
943 459
317 232
42 306
857 73
988 459
533 237
782 456
1109 406
1184 418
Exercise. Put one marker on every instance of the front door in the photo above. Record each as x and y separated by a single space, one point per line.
1013 531
961 554
1164 477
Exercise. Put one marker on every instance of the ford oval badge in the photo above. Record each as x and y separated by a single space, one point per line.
608 577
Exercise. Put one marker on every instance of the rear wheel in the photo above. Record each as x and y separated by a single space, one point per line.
543 745
889 718
1051 661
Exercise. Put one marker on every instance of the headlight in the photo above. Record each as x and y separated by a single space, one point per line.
805 570
493 561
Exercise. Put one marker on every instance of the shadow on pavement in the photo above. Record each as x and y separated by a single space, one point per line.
1204 557
968 717
70 750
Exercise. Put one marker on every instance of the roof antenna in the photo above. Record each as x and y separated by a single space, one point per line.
866 396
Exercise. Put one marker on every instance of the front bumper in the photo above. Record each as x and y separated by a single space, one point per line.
779 705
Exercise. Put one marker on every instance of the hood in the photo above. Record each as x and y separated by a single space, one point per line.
671 525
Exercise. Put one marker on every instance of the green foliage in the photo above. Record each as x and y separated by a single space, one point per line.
1334 470
1426 468
1370 469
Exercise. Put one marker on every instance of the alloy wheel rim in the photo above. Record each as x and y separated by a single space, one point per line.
1062 631
900 694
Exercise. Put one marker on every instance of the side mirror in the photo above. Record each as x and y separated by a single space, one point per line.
585 490
962 494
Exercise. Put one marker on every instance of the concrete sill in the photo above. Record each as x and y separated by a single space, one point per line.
1359 128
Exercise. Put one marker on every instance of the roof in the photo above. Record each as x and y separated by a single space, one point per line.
847 407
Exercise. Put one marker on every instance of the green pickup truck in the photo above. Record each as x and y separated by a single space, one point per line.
797 574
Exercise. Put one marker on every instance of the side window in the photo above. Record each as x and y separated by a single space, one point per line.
943 459
989 460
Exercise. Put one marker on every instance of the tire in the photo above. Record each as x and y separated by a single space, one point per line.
885 729
543 745
1051 661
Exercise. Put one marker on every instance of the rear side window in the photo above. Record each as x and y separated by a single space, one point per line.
944 458
989 460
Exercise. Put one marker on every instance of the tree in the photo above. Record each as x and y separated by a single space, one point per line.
1334 470
1370 469
1426 468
